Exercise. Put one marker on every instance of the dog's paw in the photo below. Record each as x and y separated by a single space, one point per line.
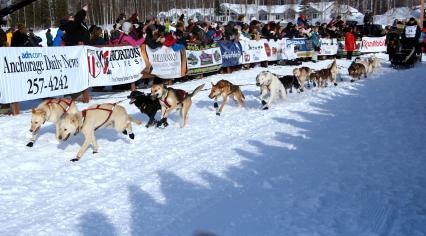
335 84
218 113
301 90
265 108
75 159
30 144
125 132
352 80
94 152
263 102
215 105
165 124
132 136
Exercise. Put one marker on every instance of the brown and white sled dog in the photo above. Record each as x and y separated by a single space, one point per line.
367 64
302 74
49 110
171 99
328 74
225 89
269 83
356 70
93 118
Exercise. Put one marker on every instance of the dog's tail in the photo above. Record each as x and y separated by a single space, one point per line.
196 90
138 122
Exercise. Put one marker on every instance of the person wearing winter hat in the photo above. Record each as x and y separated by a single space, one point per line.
125 38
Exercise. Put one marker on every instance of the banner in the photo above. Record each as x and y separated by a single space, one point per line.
302 47
342 51
39 72
329 47
232 53
165 63
272 50
114 65
253 52
203 59
373 44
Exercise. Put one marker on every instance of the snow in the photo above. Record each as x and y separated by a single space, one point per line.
345 160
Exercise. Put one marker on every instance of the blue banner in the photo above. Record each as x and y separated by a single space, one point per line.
231 53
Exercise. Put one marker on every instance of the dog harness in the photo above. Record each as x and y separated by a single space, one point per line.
58 102
98 107
180 96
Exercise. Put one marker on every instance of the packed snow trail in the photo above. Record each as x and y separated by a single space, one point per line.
345 160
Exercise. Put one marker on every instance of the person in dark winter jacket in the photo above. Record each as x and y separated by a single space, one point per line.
49 38
349 43
153 39
77 32
20 37
411 34
392 42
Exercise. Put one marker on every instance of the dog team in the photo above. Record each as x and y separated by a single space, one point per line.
69 121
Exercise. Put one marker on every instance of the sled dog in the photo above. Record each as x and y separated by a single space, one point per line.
225 89
269 83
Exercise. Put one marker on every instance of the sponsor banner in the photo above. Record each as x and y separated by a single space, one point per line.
281 49
273 50
203 59
373 44
39 72
253 52
114 65
302 47
342 51
231 53
164 62
329 47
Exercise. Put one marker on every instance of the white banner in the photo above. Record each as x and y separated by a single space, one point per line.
271 48
166 63
329 47
39 72
114 65
253 51
373 44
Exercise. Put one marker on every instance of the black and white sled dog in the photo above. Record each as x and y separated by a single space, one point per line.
269 83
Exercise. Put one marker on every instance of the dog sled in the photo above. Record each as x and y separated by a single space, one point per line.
405 58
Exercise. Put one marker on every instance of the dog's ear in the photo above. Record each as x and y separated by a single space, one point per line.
212 83
33 111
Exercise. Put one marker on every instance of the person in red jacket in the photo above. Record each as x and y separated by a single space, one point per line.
349 43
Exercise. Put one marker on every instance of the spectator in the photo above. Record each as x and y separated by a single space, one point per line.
315 38
49 38
34 40
60 33
349 43
153 38
3 38
106 36
9 35
125 39
77 32
97 38
20 37
245 31
301 21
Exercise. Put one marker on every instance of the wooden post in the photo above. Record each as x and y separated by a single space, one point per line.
86 97
15 108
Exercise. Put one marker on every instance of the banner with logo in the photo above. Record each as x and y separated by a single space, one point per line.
253 51
342 51
302 47
272 50
373 44
231 53
39 72
329 47
164 62
203 59
114 65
